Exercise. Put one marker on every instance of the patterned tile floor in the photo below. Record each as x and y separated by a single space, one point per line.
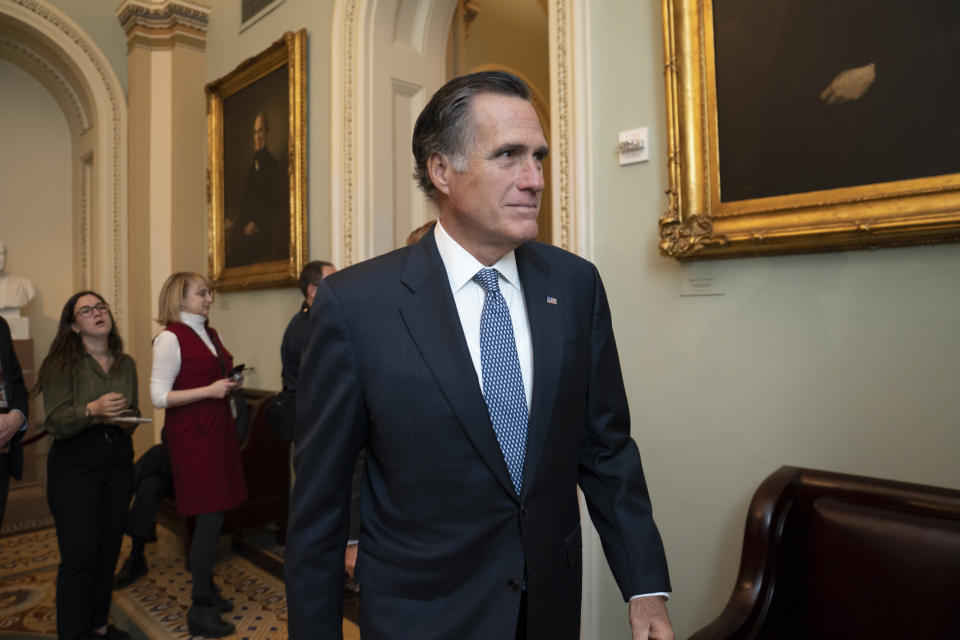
152 608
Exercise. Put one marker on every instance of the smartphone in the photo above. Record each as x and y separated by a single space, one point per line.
239 371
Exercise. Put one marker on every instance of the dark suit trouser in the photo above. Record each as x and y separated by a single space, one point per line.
89 484
143 513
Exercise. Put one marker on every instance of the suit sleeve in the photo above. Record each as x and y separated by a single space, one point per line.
18 398
331 427
610 470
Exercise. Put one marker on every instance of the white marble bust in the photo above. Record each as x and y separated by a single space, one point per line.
15 291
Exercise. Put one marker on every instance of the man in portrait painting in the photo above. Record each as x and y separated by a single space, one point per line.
258 229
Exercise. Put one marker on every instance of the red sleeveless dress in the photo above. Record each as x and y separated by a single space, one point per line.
201 436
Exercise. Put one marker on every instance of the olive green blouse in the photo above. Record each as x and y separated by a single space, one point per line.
66 393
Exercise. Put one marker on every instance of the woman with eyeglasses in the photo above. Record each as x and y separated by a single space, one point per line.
191 380
89 394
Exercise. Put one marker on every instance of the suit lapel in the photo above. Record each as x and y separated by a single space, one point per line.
546 334
431 318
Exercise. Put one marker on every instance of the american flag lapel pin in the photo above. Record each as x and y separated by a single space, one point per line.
551 300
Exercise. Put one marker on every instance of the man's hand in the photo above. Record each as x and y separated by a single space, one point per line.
10 423
251 229
350 559
849 85
649 619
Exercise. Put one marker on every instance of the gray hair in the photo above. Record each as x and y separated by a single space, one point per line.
445 124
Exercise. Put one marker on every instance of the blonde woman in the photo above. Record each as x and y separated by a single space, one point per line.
190 381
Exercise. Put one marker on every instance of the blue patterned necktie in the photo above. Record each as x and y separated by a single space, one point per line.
502 382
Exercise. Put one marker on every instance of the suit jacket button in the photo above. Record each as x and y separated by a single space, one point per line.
523 509
513 585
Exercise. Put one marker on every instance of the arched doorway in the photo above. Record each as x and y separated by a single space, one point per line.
389 57
51 47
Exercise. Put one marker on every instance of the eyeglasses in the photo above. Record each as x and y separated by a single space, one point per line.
86 312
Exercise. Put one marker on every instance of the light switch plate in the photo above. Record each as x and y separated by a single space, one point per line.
633 146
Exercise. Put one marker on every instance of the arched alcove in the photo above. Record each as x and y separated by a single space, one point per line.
51 47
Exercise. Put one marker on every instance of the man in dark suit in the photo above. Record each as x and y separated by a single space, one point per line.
282 413
14 409
479 370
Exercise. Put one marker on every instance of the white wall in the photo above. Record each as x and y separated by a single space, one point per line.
35 210
845 361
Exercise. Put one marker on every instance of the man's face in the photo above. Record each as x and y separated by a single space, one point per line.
259 134
491 207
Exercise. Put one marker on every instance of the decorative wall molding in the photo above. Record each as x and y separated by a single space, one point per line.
560 90
29 58
345 111
83 222
175 23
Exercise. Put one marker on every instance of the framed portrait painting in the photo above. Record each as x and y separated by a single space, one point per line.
800 126
257 169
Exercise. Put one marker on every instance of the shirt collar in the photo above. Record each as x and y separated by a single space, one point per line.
193 320
461 266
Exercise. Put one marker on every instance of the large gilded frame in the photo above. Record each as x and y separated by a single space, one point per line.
698 225
289 51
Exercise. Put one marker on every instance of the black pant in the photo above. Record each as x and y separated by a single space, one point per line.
522 618
4 484
89 484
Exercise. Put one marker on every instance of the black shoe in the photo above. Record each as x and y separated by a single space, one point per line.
220 603
113 633
132 570
206 621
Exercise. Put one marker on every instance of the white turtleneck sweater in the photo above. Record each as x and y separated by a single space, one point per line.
166 357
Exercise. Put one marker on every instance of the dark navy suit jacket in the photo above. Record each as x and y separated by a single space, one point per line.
17 397
447 547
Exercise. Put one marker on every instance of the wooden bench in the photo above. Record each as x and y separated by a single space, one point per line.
828 555
266 468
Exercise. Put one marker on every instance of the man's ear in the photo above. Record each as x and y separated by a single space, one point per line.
440 168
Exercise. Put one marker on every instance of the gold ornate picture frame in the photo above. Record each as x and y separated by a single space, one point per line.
747 176
257 175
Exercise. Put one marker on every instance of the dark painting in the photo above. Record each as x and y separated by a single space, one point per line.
826 94
256 192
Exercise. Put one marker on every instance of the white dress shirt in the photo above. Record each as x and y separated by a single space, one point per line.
469 296
166 357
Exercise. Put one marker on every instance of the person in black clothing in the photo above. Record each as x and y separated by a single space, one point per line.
152 482
295 336
14 410
283 412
